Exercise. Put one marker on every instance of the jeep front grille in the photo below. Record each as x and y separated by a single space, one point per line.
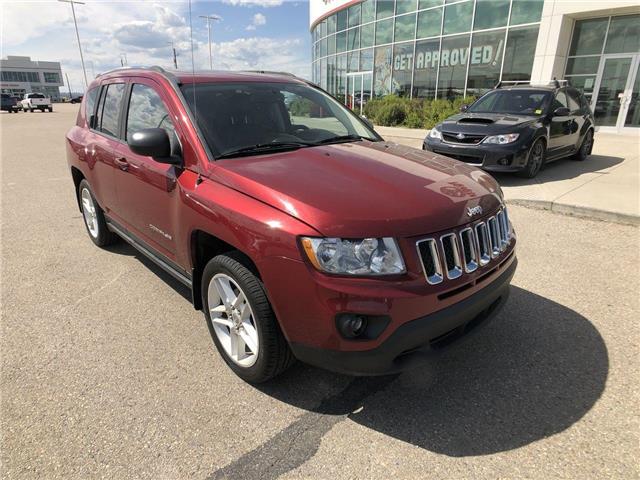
471 247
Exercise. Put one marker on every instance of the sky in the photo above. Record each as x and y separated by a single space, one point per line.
253 34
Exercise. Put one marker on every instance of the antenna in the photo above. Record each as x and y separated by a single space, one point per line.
193 68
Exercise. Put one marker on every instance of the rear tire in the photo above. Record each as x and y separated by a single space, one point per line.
535 160
585 149
237 308
93 216
50 109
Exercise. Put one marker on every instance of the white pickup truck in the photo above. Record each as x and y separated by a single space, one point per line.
36 101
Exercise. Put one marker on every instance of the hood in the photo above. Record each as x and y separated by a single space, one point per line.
363 189
486 123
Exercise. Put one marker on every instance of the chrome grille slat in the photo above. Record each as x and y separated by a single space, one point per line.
465 250
494 238
469 252
430 261
451 250
482 239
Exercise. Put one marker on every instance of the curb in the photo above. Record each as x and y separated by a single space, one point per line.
577 211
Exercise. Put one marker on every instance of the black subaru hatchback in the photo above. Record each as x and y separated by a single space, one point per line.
517 129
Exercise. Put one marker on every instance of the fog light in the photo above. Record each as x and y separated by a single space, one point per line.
351 325
503 161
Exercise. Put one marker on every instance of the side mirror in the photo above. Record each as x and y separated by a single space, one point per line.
464 108
155 143
367 121
561 112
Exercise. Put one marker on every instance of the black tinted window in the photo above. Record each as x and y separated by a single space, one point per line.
560 100
90 104
146 110
574 100
36 95
111 109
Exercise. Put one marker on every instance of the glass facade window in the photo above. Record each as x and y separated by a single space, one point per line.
518 55
426 68
406 6
384 8
354 15
405 28
367 35
491 14
433 48
402 69
457 18
52 77
592 38
624 35
453 66
384 31
485 61
382 71
353 38
366 60
429 23
588 36
368 11
526 11
9 76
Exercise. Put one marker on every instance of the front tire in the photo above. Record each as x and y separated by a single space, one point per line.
585 149
241 321
93 216
535 160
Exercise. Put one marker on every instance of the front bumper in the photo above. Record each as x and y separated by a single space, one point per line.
494 158
416 341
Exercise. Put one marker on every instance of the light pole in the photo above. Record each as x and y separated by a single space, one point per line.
73 11
68 85
209 19
175 56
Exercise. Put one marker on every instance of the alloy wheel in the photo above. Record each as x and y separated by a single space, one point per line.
89 212
233 320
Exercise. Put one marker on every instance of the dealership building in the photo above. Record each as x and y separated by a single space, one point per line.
20 75
450 48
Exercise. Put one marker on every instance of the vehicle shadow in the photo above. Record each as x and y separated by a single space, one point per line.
123 248
558 170
533 372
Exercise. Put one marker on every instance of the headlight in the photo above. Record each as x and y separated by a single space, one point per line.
502 139
367 256
435 133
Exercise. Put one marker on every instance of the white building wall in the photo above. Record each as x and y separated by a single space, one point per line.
556 27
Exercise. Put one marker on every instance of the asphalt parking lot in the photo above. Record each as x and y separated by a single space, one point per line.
108 372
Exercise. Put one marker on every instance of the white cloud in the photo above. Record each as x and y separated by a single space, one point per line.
254 3
109 29
257 20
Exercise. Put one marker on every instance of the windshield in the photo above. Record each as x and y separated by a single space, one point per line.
252 117
36 95
521 102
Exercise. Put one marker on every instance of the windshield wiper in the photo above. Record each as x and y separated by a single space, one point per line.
342 139
263 148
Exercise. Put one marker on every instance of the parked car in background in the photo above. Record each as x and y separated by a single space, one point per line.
77 99
9 103
301 234
517 129
36 101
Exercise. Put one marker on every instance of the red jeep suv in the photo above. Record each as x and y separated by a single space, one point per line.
300 232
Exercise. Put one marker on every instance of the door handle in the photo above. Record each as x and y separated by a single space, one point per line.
122 163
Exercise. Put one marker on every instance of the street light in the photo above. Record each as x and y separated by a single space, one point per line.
73 11
209 18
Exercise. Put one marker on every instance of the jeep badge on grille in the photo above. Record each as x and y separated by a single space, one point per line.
471 211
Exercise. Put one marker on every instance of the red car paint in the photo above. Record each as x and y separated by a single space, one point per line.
261 205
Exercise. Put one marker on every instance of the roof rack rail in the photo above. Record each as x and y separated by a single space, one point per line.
154 68
560 83
498 85
272 72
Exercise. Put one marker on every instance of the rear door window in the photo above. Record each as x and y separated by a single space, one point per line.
90 103
110 109
574 100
